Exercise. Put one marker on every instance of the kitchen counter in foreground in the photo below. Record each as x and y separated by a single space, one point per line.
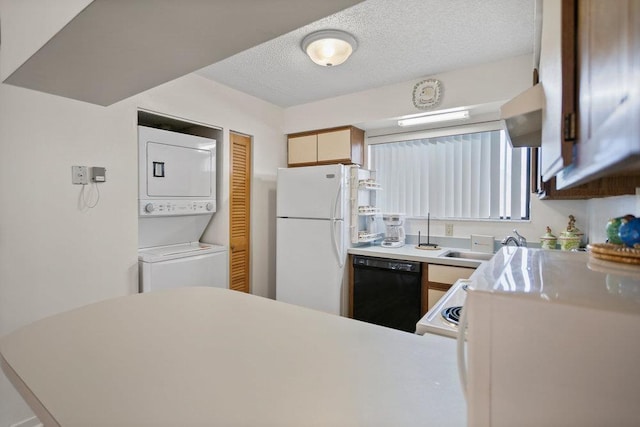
206 356
411 253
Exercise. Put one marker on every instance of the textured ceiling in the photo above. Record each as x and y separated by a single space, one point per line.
398 40
132 46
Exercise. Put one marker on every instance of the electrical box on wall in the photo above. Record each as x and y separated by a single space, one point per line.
80 174
98 174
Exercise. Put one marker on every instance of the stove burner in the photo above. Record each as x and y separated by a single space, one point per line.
452 314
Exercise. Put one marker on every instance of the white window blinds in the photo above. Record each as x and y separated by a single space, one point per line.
470 176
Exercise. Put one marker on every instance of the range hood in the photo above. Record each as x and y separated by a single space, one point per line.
523 117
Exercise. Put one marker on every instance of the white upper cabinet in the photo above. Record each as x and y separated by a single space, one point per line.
326 146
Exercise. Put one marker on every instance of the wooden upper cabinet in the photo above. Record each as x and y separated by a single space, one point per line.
606 147
603 187
327 146
557 74
608 42
603 58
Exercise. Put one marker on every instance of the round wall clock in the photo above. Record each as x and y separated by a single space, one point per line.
427 93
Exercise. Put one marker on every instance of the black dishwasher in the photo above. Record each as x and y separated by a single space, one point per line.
387 292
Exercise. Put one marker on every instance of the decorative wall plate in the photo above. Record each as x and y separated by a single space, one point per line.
427 93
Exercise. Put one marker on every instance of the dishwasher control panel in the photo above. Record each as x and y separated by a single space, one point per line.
388 264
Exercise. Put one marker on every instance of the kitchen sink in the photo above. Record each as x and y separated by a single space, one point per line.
468 255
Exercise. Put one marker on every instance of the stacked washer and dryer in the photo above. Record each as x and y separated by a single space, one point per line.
177 198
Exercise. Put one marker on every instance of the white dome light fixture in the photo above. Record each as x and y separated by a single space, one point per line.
329 47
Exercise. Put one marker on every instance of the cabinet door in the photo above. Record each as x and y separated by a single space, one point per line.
434 297
334 145
603 58
303 149
557 74
437 280
608 139
448 274
606 81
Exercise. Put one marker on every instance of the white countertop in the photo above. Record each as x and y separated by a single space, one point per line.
207 356
561 277
411 253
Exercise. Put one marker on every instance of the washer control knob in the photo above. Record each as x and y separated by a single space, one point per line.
209 206
149 207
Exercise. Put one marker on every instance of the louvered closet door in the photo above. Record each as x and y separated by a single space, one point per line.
240 212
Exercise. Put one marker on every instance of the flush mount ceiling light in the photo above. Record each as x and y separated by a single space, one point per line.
329 47
433 118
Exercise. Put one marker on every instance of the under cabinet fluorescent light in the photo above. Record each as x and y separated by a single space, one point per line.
433 118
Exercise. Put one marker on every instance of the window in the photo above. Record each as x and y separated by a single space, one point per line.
466 176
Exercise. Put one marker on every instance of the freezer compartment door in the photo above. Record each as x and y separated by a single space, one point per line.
312 192
201 270
310 258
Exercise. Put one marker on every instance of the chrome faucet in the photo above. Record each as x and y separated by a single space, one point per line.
519 241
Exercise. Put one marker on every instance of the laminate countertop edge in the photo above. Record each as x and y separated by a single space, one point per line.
411 253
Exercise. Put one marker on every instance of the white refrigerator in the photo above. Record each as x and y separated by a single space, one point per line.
312 237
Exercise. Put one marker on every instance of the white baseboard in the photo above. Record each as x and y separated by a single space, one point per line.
29 422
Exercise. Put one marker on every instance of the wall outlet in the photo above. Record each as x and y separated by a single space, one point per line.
448 230
79 175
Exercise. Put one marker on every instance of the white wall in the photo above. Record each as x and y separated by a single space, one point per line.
601 210
552 213
55 256
487 83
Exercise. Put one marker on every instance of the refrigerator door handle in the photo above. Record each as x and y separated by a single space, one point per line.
333 226
334 208
335 243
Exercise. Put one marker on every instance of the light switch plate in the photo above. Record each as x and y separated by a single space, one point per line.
480 243
79 175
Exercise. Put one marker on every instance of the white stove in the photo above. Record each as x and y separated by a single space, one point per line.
442 318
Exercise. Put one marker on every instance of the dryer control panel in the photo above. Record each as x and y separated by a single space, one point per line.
176 207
